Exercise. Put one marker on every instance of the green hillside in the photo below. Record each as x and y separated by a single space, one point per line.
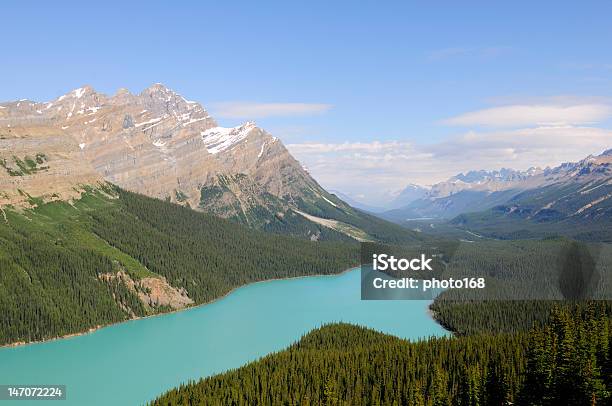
53 259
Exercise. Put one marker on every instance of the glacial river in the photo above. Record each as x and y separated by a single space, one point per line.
133 362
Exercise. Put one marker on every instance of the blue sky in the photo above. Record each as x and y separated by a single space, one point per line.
344 84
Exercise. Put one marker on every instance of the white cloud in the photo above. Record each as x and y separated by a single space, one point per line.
534 115
253 110
353 147
376 169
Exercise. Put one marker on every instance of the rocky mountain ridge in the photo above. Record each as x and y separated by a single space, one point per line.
575 200
480 190
162 145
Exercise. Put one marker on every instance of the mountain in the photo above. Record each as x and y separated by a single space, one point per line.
161 145
573 199
357 204
408 195
471 191
391 201
570 199
484 181
449 206
32 159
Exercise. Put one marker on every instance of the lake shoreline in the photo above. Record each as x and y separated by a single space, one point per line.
101 326
146 358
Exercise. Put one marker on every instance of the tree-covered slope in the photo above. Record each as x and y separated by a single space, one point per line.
114 255
565 363
313 213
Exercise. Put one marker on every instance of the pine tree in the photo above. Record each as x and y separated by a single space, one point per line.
496 391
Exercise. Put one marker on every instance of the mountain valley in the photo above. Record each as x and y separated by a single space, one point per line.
572 199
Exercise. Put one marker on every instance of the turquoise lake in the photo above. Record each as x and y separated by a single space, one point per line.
133 362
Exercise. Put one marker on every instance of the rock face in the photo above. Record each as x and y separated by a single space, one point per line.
39 162
159 144
153 292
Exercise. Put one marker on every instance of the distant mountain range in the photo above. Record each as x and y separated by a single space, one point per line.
415 196
162 145
455 195
571 199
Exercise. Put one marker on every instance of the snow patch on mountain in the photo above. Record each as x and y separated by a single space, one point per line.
219 139
593 203
329 201
151 121
263 146
79 92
